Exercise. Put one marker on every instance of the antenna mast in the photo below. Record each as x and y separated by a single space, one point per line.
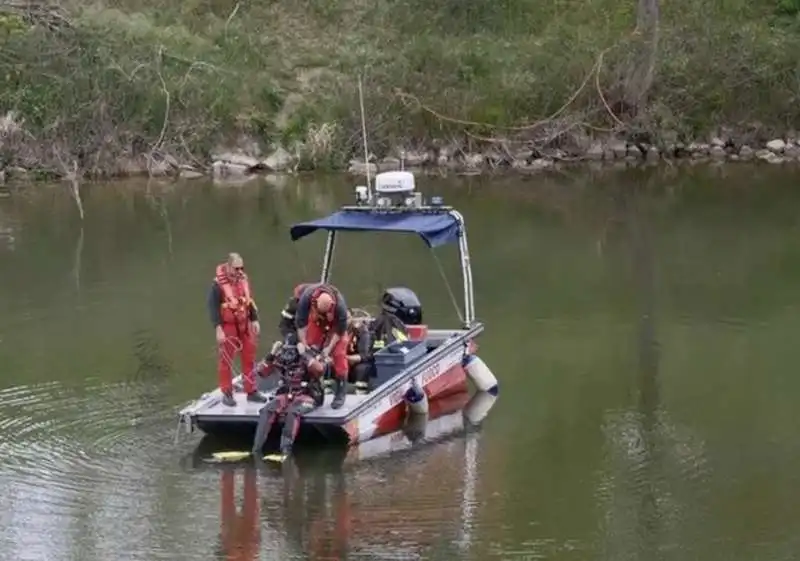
364 137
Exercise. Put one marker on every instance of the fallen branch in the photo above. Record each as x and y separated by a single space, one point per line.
230 18
165 123
71 175
600 91
594 72
547 120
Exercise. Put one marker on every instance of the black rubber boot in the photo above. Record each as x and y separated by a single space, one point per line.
286 446
256 397
227 399
340 393
262 430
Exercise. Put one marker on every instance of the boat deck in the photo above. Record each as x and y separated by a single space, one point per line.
245 411
210 409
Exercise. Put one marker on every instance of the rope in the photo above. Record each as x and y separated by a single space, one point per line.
236 346
449 288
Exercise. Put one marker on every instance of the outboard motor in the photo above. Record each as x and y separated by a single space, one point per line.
403 303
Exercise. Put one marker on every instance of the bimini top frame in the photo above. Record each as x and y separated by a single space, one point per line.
436 225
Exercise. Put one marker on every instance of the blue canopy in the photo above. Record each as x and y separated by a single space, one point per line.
434 229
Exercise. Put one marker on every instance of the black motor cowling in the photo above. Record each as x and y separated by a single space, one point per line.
403 303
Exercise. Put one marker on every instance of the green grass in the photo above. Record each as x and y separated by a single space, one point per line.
130 75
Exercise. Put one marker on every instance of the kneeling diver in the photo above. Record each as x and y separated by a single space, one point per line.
359 353
367 337
299 392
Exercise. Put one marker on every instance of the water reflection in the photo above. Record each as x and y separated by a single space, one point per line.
640 235
240 535
646 512
157 198
397 497
8 226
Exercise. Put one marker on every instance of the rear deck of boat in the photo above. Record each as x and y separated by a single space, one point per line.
247 412
212 416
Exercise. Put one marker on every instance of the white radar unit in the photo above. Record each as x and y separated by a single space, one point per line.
396 188
394 182
393 189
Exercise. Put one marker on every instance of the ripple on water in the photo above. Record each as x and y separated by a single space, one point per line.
49 430
89 458
87 454
655 479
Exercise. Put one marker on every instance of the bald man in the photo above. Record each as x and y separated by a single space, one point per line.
235 318
321 321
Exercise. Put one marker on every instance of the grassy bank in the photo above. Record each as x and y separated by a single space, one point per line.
99 83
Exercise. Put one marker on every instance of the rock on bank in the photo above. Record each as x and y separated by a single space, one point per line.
614 151
247 158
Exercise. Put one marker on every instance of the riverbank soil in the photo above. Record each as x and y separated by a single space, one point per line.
136 86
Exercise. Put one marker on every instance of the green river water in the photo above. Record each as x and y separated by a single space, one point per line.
644 327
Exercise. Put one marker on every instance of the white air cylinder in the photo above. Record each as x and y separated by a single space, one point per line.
416 400
480 374
478 407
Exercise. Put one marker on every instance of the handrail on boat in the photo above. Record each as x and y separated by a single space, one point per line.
401 377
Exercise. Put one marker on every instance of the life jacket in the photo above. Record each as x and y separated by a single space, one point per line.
236 300
319 288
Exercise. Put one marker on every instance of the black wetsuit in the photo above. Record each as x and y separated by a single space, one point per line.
361 345
287 324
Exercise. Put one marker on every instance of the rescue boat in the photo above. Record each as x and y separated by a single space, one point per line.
432 364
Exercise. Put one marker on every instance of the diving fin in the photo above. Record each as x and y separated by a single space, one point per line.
229 456
279 458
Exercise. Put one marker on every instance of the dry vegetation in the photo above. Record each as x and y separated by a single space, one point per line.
95 85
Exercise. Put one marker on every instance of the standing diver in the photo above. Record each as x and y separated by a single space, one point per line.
299 392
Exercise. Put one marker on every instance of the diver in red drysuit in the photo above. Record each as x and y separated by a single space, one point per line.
299 392
321 322
235 318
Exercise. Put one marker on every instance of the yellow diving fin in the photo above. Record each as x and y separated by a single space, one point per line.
279 458
230 456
